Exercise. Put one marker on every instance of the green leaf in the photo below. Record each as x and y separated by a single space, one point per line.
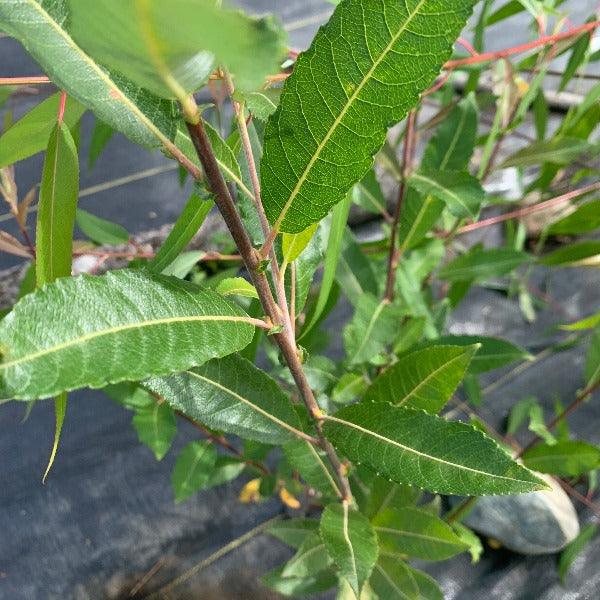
368 195
519 413
59 192
312 464
192 470
592 360
351 542
355 273
411 446
396 50
293 532
461 192
423 379
588 323
585 219
187 225
558 151
372 327
349 387
573 549
56 211
418 217
310 558
156 427
263 103
385 494
100 230
493 352
479 264
567 458
125 325
41 28
392 579
237 286
30 134
314 583
171 48
184 264
234 396
417 533
578 54
332 256
292 244
576 254
226 468
101 135
452 145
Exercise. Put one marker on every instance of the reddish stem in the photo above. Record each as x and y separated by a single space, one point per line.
542 41
61 107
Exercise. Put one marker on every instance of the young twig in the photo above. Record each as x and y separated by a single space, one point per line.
252 260
266 228
394 253
579 400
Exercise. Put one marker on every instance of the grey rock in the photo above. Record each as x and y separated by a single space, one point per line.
537 523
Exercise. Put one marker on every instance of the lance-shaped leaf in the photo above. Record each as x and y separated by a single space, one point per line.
417 533
41 27
193 469
393 580
479 264
171 47
310 558
126 325
363 72
493 352
100 230
30 134
156 427
374 324
351 542
293 532
568 458
419 215
461 192
231 395
423 379
411 446
57 207
187 225
454 141
312 464
54 232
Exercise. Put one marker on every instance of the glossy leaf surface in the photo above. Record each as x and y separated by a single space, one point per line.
411 446
231 395
364 71
126 325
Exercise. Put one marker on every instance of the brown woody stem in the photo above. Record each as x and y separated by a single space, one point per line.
394 254
252 260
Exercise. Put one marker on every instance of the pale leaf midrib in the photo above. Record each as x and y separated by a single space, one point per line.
349 542
439 186
243 400
418 453
343 112
370 327
431 375
422 536
118 329
133 108
324 468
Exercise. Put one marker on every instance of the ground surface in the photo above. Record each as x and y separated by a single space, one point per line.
106 514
